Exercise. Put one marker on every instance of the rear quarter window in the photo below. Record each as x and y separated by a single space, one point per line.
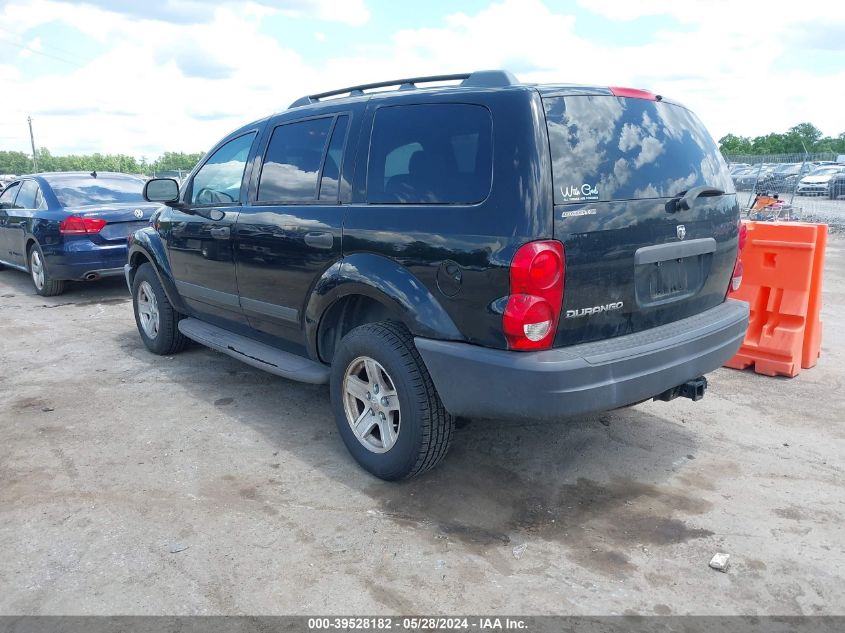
430 154
612 148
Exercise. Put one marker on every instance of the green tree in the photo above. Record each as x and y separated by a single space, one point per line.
796 140
172 161
733 144
806 135
15 163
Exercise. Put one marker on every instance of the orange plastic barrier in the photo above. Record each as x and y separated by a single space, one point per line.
782 282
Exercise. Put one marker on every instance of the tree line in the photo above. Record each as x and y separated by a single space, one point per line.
804 137
21 162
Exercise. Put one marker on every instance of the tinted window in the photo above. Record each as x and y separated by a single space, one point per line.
293 161
78 191
27 195
8 196
609 148
219 180
430 154
330 180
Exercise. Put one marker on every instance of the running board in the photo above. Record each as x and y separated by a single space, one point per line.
254 353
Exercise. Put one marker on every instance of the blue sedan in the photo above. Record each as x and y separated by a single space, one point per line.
70 225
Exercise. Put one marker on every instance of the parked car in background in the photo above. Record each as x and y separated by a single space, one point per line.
783 178
465 250
746 179
70 225
817 182
5 179
836 185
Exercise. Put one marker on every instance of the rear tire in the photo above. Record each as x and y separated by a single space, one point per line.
43 283
157 321
386 407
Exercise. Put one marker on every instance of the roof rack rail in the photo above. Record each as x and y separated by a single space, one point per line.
477 79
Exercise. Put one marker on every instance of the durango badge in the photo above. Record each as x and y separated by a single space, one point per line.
607 307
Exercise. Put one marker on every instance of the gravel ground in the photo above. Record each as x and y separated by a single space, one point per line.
135 484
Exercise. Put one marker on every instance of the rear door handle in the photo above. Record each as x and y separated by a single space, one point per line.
319 240
685 203
220 232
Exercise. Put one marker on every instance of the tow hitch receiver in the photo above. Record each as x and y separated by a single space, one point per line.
693 389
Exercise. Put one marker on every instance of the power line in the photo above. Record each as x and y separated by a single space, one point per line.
37 52
49 44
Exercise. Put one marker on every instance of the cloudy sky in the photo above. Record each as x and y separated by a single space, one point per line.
144 77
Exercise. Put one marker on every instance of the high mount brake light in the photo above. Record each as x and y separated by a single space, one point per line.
634 93
536 295
76 225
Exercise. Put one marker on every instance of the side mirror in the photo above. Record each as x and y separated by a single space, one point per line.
164 190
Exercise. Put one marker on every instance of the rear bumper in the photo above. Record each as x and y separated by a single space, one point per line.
83 259
479 382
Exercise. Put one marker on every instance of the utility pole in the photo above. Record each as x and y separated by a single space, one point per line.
32 140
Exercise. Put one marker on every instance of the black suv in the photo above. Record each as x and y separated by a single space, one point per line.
485 249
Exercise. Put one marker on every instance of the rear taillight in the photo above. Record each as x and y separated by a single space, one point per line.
536 294
75 225
736 275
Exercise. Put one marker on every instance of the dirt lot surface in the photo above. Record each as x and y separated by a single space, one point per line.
136 484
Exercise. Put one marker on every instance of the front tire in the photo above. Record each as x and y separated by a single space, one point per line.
44 284
386 407
157 321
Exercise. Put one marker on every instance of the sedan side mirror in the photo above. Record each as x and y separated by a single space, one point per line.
165 190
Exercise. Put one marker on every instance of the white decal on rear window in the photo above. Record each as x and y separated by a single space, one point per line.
578 193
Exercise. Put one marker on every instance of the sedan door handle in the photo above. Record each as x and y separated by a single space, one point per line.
220 232
319 240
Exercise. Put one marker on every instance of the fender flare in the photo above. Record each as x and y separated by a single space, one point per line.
148 243
386 281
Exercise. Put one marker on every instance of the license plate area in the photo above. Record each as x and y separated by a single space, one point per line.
662 282
119 230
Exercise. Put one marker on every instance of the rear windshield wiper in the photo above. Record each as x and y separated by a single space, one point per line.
685 199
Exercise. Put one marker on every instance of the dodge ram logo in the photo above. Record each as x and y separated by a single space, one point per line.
138 213
681 230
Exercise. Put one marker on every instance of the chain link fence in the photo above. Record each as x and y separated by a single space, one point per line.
806 187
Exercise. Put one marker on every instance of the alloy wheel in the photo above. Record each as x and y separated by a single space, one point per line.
371 403
148 309
36 267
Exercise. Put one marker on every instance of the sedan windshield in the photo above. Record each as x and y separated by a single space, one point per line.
87 190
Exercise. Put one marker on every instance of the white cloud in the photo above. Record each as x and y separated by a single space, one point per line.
171 85
352 12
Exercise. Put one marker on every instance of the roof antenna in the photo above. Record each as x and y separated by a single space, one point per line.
94 174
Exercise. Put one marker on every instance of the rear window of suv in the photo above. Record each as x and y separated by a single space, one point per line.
610 148
430 154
